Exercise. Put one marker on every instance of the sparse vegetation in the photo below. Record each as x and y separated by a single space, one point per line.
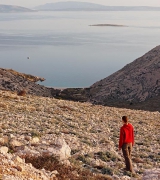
92 132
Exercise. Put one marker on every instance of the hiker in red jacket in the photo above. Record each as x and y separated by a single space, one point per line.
126 142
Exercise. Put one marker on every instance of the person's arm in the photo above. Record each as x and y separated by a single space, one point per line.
121 139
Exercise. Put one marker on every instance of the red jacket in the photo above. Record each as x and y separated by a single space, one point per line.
126 134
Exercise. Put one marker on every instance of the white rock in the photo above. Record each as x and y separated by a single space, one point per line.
4 150
17 159
125 178
12 136
62 150
15 143
35 140
55 172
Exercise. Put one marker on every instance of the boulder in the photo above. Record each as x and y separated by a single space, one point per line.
61 149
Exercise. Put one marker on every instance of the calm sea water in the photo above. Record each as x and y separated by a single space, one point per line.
65 50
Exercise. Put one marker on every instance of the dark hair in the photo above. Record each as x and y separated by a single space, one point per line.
125 119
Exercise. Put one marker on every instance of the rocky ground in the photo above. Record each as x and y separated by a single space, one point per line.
46 138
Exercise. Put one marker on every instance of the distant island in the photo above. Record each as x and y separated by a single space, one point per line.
114 25
13 9
85 6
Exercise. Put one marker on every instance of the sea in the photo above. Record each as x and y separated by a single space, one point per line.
67 51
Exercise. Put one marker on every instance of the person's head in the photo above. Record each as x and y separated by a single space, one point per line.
125 119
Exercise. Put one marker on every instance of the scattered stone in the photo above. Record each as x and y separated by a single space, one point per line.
79 133
151 174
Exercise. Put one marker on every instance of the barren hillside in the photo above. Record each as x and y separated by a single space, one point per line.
84 135
137 82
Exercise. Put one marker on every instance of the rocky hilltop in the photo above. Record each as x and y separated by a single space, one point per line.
43 138
137 82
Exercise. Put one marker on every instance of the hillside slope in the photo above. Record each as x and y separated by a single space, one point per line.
30 126
137 82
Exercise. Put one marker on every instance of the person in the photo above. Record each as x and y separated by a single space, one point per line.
126 142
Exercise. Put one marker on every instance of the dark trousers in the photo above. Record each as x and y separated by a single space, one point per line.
127 149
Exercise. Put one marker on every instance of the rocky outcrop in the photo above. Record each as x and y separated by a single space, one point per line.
26 76
20 82
23 84
136 82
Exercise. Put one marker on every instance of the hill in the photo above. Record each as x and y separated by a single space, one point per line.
72 140
10 9
85 6
135 83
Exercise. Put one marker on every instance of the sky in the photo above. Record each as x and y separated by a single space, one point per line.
32 3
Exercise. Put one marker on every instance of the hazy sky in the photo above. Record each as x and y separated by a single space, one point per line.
32 3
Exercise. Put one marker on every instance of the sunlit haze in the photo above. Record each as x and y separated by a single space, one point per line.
104 2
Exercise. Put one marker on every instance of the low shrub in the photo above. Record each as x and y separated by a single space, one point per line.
65 172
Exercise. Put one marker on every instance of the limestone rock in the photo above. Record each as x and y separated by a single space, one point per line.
62 150
14 143
4 150
34 140
125 178
17 159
